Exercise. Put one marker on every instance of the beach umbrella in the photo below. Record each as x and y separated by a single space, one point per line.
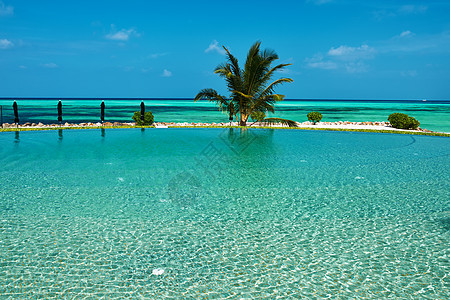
142 112
59 112
16 113
102 111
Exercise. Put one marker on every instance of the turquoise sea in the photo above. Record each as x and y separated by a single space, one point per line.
223 213
433 115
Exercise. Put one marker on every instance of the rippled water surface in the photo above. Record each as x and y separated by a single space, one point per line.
217 213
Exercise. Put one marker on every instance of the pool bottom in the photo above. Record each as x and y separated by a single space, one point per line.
224 257
185 213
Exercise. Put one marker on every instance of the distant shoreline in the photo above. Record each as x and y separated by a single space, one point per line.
376 127
442 101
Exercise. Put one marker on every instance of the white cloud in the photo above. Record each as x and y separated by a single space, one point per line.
50 66
22 67
435 43
412 9
350 59
352 53
356 67
214 46
6 10
166 73
325 65
121 35
406 33
5 44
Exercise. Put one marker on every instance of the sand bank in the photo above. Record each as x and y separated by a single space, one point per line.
341 125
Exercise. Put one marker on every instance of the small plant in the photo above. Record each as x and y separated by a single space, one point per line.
148 118
258 116
413 123
403 121
314 117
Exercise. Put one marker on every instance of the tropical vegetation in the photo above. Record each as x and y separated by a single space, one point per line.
403 121
257 116
148 118
251 89
314 117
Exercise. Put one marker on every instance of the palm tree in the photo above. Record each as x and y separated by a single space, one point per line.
249 88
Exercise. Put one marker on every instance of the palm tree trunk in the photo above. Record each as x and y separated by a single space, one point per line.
243 121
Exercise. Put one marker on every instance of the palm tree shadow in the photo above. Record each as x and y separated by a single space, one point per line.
445 223
244 141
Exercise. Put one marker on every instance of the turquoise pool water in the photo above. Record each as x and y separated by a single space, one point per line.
216 213
433 115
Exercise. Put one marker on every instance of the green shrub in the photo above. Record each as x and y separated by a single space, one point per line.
399 120
403 121
148 118
413 123
257 116
314 116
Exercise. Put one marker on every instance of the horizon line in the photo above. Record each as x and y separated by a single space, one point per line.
185 98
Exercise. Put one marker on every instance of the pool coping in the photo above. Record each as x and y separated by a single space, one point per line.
443 134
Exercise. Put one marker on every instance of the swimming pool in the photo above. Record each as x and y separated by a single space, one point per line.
215 213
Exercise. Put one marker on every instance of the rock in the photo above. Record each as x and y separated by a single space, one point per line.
108 124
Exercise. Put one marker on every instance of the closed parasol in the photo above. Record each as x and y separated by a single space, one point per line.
16 113
142 112
59 112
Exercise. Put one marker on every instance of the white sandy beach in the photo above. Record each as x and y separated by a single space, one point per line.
306 125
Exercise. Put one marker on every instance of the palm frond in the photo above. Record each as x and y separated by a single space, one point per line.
250 88
272 121
271 87
266 102
269 55
243 95
252 68
271 72
233 62
212 96
223 70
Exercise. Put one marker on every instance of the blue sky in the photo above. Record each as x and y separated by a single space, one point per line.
339 49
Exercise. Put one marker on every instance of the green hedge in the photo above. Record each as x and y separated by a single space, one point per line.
314 116
148 118
403 121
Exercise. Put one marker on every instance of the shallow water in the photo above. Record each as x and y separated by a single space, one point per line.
178 213
433 115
